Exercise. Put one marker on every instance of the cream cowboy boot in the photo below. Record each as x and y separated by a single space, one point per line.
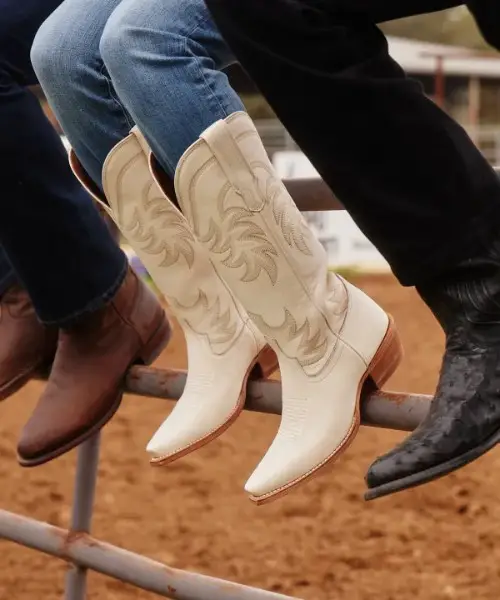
329 336
220 337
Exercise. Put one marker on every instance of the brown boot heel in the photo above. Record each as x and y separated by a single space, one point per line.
388 357
157 343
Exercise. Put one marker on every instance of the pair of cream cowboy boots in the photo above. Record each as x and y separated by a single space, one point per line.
244 274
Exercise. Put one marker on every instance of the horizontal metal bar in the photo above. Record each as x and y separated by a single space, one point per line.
85 551
389 410
312 195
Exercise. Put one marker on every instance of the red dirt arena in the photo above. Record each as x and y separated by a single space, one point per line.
322 542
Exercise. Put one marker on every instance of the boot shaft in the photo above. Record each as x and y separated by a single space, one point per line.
164 241
262 245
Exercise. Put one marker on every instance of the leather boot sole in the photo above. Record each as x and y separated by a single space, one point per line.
149 353
382 366
433 473
264 365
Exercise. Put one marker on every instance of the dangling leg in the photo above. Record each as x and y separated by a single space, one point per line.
215 325
413 181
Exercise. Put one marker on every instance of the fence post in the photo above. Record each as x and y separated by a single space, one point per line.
83 506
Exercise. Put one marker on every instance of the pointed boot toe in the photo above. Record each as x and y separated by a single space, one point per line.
286 462
463 424
382 471
392 471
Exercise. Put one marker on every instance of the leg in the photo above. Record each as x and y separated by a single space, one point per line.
63 252
429 201
166 65
180 38
257 241
486 14
340 57
213 321
80 92
137 72
24 342
41 197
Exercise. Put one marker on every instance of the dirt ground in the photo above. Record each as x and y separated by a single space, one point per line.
320 543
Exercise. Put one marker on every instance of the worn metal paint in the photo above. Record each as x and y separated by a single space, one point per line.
393 410
89 553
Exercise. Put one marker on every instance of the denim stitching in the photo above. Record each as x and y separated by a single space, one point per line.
201 73
114 98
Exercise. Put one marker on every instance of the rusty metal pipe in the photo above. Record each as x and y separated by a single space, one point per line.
390 410
149 575
83 506
312 194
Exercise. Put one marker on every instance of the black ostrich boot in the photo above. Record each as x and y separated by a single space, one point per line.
463 422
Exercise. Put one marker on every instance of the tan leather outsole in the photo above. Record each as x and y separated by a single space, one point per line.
382 366
265 363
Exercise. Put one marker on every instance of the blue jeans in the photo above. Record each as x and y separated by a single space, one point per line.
51 233
106 65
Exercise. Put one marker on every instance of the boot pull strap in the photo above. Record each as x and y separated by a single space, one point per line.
235 165
88 185
142 140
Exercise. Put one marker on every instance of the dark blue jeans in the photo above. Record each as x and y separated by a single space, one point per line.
53 239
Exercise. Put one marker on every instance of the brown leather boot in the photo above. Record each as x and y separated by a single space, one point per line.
85 387
25 344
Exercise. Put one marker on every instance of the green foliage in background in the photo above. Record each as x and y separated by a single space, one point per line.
455 26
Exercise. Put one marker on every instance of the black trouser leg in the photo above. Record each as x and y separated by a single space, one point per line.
50 230
408 174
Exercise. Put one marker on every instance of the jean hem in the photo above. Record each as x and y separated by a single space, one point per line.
94 305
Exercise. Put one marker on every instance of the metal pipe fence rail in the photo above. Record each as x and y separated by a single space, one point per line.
277 139
83 552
